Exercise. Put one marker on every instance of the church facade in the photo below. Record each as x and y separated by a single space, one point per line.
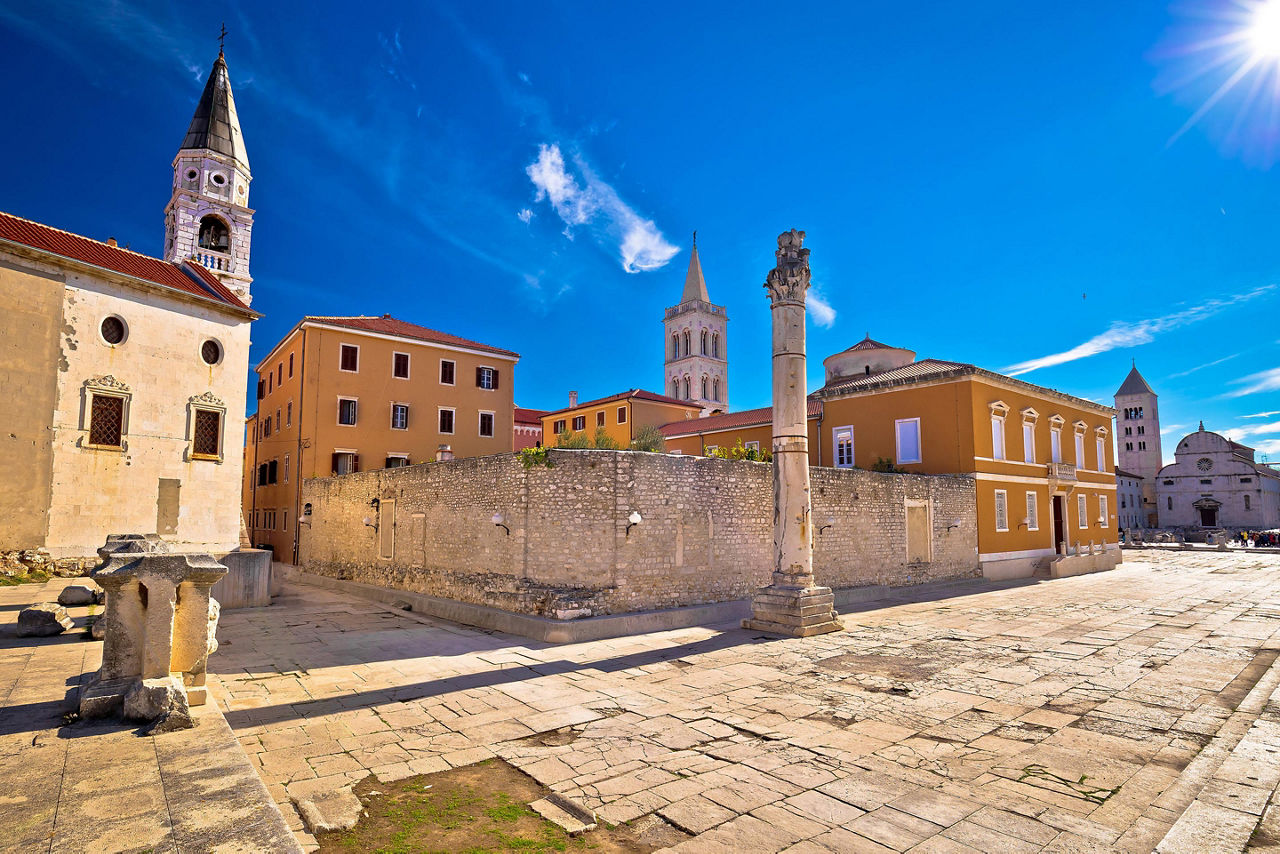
697 356
130 369
1216 483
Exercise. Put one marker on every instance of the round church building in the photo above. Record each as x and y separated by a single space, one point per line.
1215 483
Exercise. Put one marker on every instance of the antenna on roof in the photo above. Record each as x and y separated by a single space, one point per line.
222 37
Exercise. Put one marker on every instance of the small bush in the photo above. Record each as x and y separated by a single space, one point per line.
604 442
649 438
535 457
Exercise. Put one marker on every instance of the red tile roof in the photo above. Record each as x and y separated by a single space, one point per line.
731 420
635 393
529 416
188 277
388 325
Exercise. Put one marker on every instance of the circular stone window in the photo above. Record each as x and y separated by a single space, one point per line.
191 174
219 179
211 352
113 330
1204 464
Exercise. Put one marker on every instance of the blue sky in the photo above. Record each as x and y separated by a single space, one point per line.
1029 187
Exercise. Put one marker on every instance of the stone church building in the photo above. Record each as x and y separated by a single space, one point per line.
1215 483
129 369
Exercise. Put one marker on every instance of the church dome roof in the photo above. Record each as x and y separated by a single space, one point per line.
865 358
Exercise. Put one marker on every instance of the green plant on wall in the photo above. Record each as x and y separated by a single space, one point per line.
535 457
741 452
604 442
649 438
572 441
886 465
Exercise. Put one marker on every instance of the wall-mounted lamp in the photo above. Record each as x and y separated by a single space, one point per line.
831 520
633 520
496 519
369 523
955 524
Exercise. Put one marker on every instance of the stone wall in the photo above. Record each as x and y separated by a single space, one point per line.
705 534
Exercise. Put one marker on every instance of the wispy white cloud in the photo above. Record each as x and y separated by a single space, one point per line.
1255 429
819 309
1172 428
1122 334
1268 448
525 215
1202 367
1262 381
1262 414
586 200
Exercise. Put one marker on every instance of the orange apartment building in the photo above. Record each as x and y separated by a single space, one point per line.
1042 459
621 415
346 394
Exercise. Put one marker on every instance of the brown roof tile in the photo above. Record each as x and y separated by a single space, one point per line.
388 325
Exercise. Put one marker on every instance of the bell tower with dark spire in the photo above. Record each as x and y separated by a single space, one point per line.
208 219
1138 438
697 358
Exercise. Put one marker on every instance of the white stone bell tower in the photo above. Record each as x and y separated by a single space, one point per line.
208 219
1138 438
697 357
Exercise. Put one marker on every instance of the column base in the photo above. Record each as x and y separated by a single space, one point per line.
797 612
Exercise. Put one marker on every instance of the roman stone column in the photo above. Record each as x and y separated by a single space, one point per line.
791 605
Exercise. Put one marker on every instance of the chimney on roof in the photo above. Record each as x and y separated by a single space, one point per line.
573 399
387 316
111 241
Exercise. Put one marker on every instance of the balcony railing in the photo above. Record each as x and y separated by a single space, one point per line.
1062 472
214 260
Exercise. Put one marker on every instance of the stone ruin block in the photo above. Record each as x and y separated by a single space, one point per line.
158 631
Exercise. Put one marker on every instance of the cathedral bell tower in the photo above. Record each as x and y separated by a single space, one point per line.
208 219
1138 438
697 359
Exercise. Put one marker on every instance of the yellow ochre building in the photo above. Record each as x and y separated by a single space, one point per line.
1042 459
620 415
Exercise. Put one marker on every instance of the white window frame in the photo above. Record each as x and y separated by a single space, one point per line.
395 404
1080 461
1028 441
341 347
288 412
453 419
999 409
1103 511
492 373
711 449
1033 511
1082 510
480 422
205 402
350 454
573 424
338 415
756 445
394 455
897 439
835 446
440 372
408 364
1002 498
286 468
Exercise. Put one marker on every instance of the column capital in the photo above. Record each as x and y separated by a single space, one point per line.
789 280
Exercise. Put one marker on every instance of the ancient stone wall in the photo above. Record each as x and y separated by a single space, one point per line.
705 534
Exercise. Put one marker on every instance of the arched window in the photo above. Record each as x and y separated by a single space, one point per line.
686 342
715 345
214 234
715 389
675 388
704 388
675 346
686 385
704 345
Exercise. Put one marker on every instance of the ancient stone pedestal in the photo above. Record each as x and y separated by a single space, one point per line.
792 604
158 630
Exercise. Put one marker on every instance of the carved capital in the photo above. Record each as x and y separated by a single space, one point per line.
106 383
789 281
207 398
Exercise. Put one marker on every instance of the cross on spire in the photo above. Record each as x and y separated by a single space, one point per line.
222 37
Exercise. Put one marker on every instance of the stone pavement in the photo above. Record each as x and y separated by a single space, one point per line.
100 787
1093 713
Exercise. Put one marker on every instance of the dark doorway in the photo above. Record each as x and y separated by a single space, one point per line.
1209 517
1058 525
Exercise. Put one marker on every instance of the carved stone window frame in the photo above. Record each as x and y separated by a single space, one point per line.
206 402
105 386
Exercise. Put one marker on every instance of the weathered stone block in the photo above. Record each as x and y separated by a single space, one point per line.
162 701
87 593
44 620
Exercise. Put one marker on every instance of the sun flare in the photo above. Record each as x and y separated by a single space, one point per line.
1264 30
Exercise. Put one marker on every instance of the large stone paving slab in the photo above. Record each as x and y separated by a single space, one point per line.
1051 716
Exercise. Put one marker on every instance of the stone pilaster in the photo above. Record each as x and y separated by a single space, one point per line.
792 604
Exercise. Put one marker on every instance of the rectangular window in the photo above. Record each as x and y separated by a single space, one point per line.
1033 513
349 360
1170 500
1246 503
206 435
446 372
752 446
908 430
558 427
273 471
106 421
270 378
1080 450
487 378
345 462
1102 511
279 373
842 438
997 438
1102 454
400 366
486 423
1082 511
622 415
1055 445
284 520
262 475
286 468
399 416
346 411
278 421
262 389
580 422
599 419
446 420
288 414
396 461
1028 442
266 427
1002 510
290 366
